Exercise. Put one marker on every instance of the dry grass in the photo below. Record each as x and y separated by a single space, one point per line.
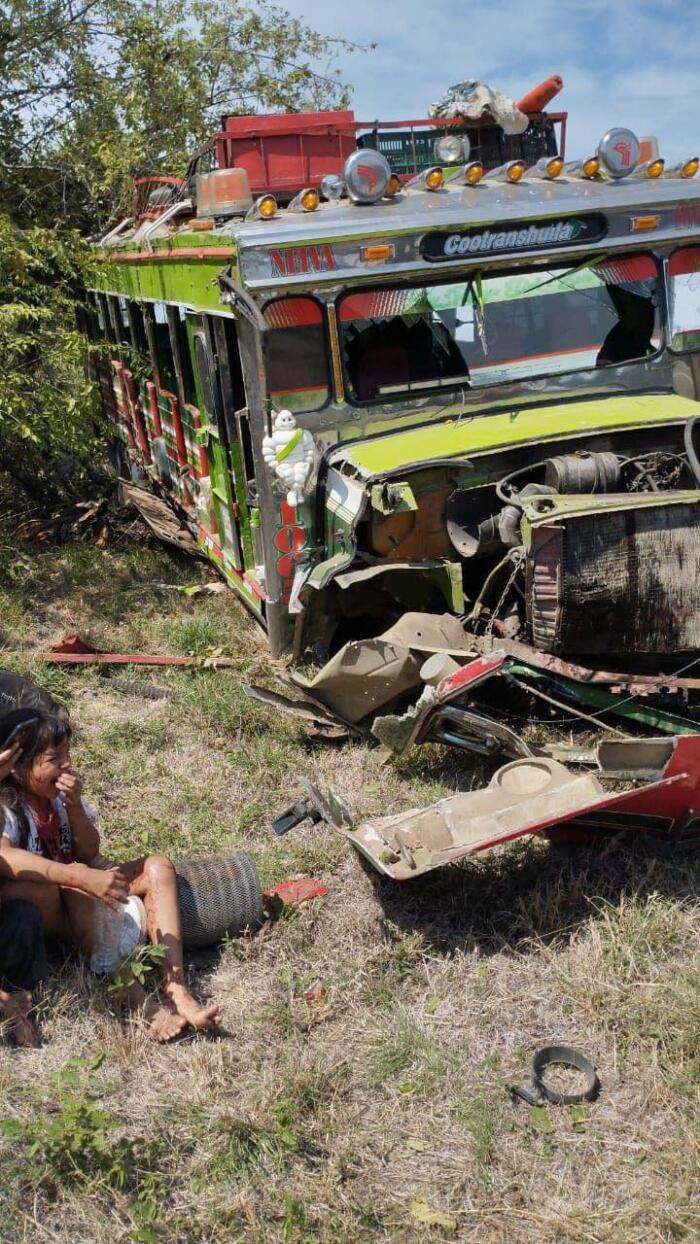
323 1124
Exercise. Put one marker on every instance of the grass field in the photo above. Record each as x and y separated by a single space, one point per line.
380 1112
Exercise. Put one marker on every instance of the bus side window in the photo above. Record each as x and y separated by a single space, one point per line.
684 299
297 358
99 304
181 355
236 421
92 319
137 325
164 360
115 320
106 318
123 321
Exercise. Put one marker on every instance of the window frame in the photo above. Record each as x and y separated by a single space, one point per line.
676 354
326 344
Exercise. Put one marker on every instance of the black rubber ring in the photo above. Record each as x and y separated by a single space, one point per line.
566 1057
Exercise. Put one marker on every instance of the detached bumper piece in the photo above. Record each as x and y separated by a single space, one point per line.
541 796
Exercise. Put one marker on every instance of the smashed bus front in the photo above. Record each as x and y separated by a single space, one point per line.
474 394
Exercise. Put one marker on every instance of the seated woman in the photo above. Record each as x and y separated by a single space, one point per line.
49 854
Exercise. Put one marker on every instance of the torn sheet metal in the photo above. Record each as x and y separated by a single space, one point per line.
431 632
306 709
522 797
634 684
449 714
538 795
367 674
427 716
158 515
406 580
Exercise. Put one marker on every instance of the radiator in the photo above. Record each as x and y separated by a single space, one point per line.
614 574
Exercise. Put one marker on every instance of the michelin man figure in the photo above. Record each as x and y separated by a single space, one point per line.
289 453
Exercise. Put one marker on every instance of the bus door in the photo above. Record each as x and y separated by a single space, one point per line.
276 534
215 377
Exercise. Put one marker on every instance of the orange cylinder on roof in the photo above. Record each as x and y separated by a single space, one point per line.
537 99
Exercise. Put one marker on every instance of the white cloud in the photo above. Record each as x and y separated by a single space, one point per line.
623 62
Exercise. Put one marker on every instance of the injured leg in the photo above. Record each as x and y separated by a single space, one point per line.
155 881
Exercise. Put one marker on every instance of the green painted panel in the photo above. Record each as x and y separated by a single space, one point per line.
191 282
486 433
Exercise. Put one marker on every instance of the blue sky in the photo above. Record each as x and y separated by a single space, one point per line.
623 62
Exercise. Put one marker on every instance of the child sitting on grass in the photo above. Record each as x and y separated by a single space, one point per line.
49 853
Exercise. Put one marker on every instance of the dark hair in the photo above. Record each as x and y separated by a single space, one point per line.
50 730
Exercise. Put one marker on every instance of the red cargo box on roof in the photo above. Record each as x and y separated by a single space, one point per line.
285 151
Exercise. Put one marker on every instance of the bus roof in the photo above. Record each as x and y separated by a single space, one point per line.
423 230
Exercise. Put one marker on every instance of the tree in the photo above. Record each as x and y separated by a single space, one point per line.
92 94
97 92
45 407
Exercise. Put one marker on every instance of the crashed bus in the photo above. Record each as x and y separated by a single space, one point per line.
448 389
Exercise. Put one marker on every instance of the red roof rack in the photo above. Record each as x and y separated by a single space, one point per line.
282 153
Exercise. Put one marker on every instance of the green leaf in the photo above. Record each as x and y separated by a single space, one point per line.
422 1212
540 1119
579 1117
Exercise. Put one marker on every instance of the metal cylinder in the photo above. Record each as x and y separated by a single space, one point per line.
219 895
583 473
437 668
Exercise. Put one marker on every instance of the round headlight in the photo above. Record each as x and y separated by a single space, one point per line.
618 152
448 149
367 174
332 187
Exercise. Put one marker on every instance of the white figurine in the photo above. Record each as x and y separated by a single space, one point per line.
289 453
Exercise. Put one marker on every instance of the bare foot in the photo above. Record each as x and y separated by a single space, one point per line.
14 1009
164 1023
200 1017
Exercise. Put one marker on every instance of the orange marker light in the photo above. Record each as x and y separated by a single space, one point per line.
473 172
267 206
515 171
380 253
639 223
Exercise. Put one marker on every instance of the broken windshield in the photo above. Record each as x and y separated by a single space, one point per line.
493 329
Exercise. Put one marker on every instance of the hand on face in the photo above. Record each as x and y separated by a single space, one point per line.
7 760
69 785
46 774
